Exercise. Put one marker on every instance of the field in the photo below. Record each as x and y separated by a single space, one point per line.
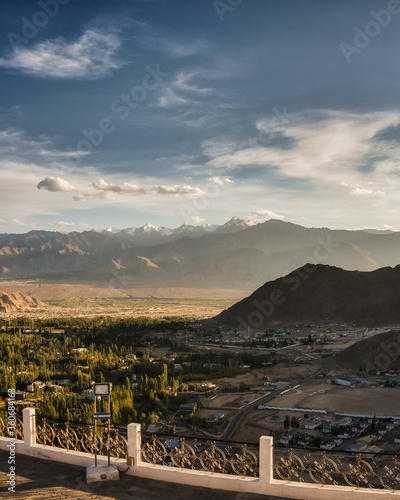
365 400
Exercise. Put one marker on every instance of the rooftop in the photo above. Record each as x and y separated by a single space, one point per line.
45 480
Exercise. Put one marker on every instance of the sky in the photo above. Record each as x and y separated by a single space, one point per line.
175 112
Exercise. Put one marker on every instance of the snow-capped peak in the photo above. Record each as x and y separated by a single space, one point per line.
147 228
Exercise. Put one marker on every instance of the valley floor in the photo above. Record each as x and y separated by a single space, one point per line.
65 299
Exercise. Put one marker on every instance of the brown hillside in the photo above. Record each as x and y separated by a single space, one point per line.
321 293
10 302
380 352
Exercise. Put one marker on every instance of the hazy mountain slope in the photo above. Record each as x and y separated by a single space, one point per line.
321 293
226 257
46 253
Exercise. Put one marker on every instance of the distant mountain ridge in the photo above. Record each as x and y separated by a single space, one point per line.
149 235
320 293
239 254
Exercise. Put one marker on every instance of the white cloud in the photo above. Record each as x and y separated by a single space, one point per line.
360 191
123 188
56 184
220 180
90 57
62 223
196 219
265 215
328 147
177 189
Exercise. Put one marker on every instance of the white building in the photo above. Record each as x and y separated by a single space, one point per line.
342 380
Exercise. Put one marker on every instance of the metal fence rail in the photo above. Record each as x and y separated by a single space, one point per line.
80 436
201 454
359 470
18 429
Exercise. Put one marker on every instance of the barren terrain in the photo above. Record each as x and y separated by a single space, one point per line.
341 399
64 291
319 396
65 300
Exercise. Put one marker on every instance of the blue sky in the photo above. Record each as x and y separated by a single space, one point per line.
173 111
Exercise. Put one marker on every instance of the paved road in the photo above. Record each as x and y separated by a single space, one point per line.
226 435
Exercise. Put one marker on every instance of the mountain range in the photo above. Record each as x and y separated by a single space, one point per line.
320 294
239 254
149 235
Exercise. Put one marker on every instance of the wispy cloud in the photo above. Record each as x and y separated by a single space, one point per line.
181 90
14 142
168 98
328 147
56 185
219 146
184 82
92 56
17 223
174 46
184 48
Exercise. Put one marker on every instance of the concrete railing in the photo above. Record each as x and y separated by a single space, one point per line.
264 483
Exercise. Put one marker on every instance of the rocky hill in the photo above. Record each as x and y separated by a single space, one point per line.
380 352
11 302
321 293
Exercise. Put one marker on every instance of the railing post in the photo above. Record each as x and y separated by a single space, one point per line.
266 464
134 444
29 422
